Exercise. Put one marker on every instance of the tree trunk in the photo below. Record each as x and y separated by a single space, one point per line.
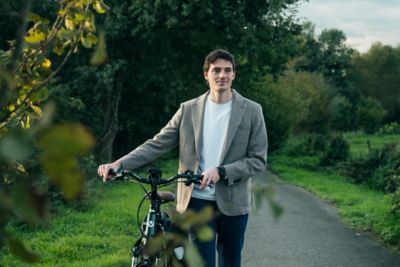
110 129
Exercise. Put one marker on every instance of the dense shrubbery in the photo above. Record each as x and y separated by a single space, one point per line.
391 128
375 170
338 151
370 115
309 145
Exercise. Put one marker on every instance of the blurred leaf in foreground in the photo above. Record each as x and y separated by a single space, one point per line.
60 146
261 192
19 249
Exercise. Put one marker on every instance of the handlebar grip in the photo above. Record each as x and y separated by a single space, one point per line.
197 178
111 172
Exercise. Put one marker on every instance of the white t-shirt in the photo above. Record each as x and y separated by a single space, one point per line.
215 127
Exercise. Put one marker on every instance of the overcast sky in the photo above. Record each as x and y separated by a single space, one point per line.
363 21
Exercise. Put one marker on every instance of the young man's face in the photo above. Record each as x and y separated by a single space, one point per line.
220 75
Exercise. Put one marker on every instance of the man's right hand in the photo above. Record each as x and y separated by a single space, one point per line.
104 169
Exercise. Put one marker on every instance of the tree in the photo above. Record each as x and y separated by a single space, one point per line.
160 47
377 74
329 55
341 111
308 96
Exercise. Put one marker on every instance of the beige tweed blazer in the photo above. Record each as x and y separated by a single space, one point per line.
244 152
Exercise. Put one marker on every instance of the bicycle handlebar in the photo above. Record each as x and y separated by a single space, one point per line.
122 174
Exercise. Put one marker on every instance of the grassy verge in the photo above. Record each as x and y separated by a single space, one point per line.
359 206
100 236
359 142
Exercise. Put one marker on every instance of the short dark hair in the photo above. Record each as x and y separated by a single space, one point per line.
218 54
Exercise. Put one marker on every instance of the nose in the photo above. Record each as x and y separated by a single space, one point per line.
223 74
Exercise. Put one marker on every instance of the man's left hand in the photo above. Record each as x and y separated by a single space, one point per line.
210 176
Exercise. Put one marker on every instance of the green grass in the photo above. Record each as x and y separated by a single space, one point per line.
359 142
101 236
359 206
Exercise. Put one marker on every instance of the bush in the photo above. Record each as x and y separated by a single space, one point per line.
276 114
342 113
370 115
309 145
378 170
395 199
338 151
391 128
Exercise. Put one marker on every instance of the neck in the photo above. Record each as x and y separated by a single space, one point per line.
221 97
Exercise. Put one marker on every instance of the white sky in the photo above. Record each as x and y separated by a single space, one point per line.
364 22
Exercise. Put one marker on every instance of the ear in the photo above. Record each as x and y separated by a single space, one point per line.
234 75
205 75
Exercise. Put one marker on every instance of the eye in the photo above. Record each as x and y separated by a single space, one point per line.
229 70
216 71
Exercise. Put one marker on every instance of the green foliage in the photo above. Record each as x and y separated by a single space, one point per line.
100 236
376 169
338 151
260 192
370 115
276 114
60 146
391 128
155 56
307 95
377 74
395 199
327 54
362 144
307 145
342 112
27 66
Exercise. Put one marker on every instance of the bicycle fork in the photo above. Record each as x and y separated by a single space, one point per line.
138 256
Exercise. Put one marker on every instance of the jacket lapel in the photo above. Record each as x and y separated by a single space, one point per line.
197 119
237 112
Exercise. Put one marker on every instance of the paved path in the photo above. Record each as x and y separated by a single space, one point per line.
308 234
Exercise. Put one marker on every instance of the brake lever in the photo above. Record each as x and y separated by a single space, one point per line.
116 176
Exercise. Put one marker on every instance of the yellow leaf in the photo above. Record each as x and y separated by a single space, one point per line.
26 122
46 63
100 53
37 110
89 25
21 168
79 17
35 36
99 7
33 17
58 50
69 23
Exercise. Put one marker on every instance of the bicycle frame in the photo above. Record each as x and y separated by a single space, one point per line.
156 220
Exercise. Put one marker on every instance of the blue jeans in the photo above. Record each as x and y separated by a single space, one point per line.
228 238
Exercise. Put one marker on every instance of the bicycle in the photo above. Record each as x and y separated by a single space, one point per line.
156 221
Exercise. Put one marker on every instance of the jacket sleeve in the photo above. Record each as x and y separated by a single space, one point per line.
256 157
161 143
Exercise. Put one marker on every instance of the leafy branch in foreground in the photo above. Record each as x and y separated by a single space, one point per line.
30 148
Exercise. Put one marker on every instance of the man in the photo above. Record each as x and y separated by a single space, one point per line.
221 135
